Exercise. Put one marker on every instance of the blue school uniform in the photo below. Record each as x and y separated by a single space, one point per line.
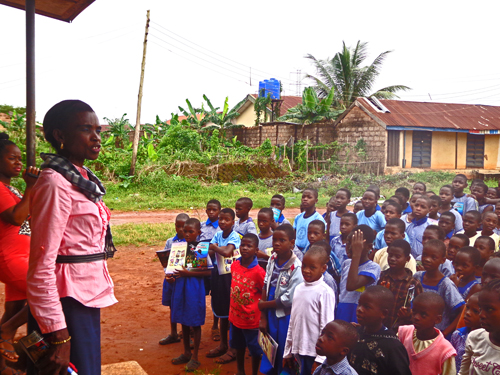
166 295
464 290
407 210
282 220
376 221
208 230
335 224
348 300
449 291
248 226
464 204
380 240
300 225
483 207
338 248
415 231
188 300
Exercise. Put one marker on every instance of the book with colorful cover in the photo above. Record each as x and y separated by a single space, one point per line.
177 257
224 263
269 346
197 258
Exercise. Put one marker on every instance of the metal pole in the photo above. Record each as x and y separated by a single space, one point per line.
137 129
30 83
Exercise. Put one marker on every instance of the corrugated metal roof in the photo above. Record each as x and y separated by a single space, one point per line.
472 117
64 10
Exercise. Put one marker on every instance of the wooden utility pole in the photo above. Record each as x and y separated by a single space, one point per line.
137 129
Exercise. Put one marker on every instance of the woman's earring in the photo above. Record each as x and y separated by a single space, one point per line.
62 146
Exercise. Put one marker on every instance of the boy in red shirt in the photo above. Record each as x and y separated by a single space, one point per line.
244 315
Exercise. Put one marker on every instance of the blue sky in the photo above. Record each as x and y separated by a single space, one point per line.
448 49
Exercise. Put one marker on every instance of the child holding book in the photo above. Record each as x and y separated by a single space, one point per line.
335 343
378 350
301 223
246 291
244 224
223 245
482 347
340 202
312 308
446 196
188 299
278 202
461 201
347 224
399 280
433 280
370 216
166 299
472 322
417 226
358 272
429 351
283 274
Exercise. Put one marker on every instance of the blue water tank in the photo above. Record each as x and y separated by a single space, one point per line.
274 88
262 89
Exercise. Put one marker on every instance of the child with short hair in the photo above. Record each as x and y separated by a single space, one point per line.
301 223
497 211
335 343
433 280
466 264
211 225
188 299
490 222
446 196
244 224
347 223
429 351
378 350
447 222
433 232
166 299
491 270
492 193
358 272
278 202
417 226
333 268
461 202
434 209
392 211
479 192
246 291
224 243
472 223
283 274
398 278
419 188
457 241
265 219
482 347
358 206
394 230
472 322
486 247
369 215
340 202
312 308
408 218
404 194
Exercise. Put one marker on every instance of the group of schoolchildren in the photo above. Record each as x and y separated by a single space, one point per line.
408 287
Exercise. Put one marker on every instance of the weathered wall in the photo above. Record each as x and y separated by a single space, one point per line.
462 150
490 151
443 150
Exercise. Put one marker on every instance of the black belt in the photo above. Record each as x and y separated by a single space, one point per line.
81 258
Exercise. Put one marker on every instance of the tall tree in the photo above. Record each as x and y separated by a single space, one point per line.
346 75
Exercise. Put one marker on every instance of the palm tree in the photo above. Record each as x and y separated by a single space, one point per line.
350 80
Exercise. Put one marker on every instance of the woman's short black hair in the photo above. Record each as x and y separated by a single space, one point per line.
4 142
58 117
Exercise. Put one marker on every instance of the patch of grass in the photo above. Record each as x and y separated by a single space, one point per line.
142 234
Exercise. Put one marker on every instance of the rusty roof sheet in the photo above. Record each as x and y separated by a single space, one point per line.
63 10
472 117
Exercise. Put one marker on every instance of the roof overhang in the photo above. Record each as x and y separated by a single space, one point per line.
63 10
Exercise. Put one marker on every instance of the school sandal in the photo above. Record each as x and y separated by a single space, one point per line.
192 365
217 352
215 334
180 360
8 355
226 358
169 340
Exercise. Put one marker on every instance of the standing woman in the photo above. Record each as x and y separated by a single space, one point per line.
14 244
68 278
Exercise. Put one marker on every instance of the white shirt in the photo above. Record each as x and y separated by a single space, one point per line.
312 309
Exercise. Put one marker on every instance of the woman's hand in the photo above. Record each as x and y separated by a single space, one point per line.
56 360
29 176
